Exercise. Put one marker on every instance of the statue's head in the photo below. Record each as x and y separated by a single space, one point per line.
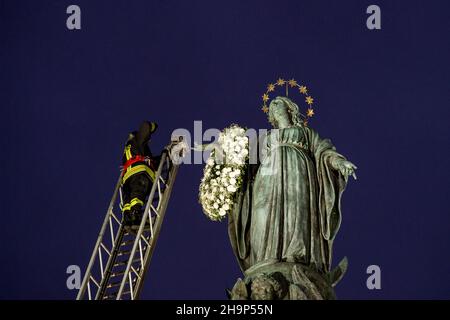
284 113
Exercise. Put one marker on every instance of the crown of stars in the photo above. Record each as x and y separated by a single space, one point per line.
292 83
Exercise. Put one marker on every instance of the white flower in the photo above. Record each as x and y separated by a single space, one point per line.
231 189
233 181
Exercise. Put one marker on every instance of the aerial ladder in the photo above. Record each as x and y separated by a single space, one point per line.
121 258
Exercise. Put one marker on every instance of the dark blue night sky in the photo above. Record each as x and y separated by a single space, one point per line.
69 99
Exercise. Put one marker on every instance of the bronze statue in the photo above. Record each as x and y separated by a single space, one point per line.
287 213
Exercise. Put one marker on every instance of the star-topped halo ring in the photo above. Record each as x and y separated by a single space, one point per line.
290 84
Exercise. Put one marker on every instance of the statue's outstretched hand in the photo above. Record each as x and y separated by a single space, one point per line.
346 168
203 147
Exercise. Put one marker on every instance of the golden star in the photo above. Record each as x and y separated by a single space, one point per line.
270 87
265 109
303 89
280 81
265 97
310 112
292 83
309 100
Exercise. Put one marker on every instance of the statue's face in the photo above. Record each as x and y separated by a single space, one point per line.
280 112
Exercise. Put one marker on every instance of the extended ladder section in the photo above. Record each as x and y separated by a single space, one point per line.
120 259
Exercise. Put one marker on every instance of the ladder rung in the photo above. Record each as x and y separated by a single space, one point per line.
124 263
117 283
127 242
114 284
123 254
114 295
127 252
117 274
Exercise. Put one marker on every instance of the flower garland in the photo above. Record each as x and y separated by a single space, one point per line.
222 175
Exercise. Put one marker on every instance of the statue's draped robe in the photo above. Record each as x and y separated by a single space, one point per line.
290 209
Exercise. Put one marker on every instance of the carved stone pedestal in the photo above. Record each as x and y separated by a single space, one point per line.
287 281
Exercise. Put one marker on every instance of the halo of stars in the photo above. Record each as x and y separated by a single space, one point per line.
293 84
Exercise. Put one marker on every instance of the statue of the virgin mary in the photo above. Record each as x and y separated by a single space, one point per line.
288 211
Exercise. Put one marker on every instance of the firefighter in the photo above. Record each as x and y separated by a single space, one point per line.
138 174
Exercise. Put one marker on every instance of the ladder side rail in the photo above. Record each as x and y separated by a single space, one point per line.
141 228
154 209
158 223
87 274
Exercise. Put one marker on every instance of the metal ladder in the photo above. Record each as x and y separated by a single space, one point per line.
120 259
